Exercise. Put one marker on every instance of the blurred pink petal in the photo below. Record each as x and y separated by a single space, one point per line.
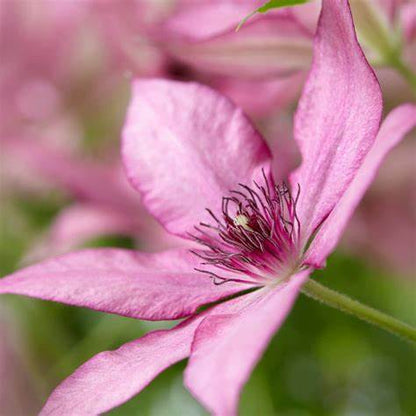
82 178
387 214
34 59
408 21
261 98
333 143
78 224
106 202
279 136
203 35
123 27
140 285
307 14
171 139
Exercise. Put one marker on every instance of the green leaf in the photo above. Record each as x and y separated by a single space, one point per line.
271 4
276 4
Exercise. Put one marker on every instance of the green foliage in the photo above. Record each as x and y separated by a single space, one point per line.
272 4
276 4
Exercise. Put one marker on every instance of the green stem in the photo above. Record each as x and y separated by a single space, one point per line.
404 70
337 300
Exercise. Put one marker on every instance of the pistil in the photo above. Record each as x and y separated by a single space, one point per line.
255 237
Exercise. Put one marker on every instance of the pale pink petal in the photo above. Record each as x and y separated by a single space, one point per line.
83 179
408 21
185 147
82 222
387 214
261 98
204 36
390 8
397 124
113 377
139 285
79 224
307 14
337 117
197 21
227 346
278 131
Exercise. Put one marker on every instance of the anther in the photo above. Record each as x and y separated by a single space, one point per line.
254 236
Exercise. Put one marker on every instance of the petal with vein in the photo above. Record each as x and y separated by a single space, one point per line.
337 119
155 286
396 125
112 377
228 344
185 147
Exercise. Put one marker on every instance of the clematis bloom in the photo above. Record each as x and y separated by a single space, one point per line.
208 177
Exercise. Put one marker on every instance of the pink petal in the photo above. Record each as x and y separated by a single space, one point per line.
185 147
204 36
307 14
113 377
85 180
139 285
387 214
79 224
228 345
397 124
390 8
262 98
408 21
337 118
197 21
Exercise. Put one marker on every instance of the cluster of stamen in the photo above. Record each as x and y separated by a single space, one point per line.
255 237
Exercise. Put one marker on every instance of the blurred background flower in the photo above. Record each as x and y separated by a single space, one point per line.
64 87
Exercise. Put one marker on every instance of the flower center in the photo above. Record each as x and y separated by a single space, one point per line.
254 238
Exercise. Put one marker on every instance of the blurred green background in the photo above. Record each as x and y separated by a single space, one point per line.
322 362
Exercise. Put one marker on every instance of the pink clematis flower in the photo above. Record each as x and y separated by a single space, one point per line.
208 176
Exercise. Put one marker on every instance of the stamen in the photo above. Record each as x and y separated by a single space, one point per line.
255 237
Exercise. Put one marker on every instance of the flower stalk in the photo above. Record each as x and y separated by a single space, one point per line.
404 70
339 301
